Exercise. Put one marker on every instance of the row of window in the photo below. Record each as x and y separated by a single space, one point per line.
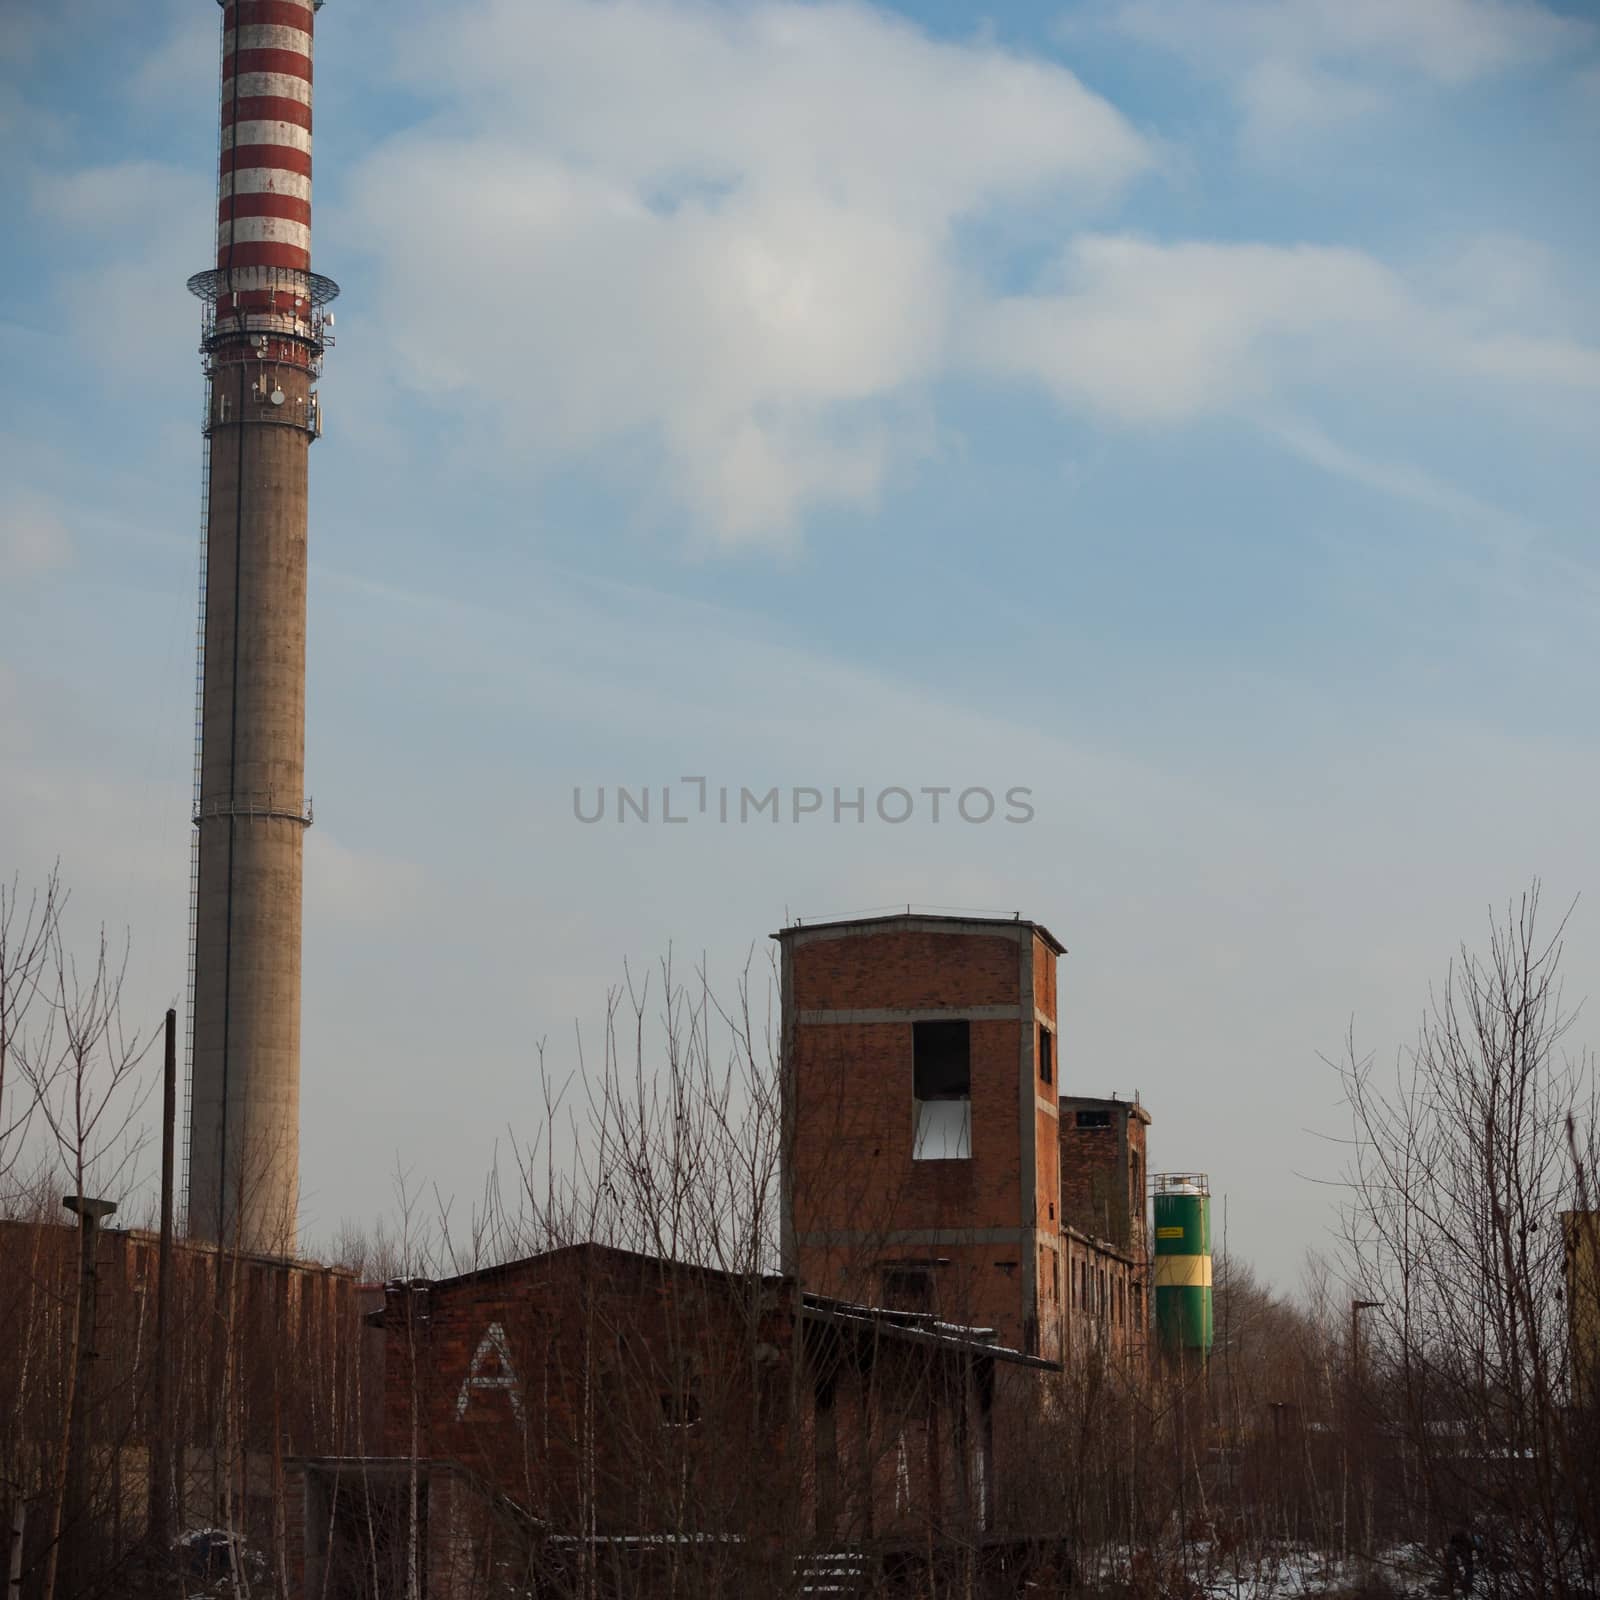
1097 1293
909 1286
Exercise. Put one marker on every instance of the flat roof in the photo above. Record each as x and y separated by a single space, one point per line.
1099 1102
922 922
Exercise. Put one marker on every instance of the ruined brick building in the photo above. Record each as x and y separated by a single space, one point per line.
956 1232
934 1163
266 1358
1104 1235
647 1420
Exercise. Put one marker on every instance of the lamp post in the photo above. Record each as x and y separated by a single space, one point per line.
1279 1408
1354 1401
90 1214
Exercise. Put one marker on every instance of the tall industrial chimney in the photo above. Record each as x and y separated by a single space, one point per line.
264 332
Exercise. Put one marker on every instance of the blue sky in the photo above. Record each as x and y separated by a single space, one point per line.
1184 408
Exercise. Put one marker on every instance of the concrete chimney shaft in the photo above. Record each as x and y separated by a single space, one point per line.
263 336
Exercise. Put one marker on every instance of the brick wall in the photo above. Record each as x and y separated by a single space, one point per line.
1103 1178
857 1201
1103 1206
1107 1295
867 966
549 1380
591 1385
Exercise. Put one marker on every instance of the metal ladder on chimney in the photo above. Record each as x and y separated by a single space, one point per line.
199 731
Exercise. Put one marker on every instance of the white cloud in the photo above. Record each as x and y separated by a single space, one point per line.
142 228
1158 333
1397 479
135 197
728 233
1162 333
1449 41
845 97
1299 64
184 69
1282 99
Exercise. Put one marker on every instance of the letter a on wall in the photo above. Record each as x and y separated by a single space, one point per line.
491 1369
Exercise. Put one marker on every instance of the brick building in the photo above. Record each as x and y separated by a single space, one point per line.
594 1405
954 1231
932 1162
922 1142
1105 1237
266 1357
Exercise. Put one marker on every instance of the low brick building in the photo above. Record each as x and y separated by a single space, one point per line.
267 1357
594 1405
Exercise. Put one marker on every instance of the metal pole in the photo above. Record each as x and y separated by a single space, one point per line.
19 1526
161 1472
1356 1448
74 1528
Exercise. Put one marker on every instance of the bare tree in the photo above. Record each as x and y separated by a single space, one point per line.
80 1071
1460 1163
26 938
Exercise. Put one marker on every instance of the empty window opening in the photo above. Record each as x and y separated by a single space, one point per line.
907 1288
1046 1055
1094 1119
942 1090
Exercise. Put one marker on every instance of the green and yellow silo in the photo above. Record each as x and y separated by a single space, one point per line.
1183 1264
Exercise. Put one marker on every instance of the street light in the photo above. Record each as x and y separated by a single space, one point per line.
1356 1308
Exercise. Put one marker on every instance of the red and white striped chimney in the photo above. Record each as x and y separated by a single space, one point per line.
263 281
264 204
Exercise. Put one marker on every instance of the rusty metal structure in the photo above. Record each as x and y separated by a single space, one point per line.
265 326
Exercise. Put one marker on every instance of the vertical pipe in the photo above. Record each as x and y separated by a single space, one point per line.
19 1526
161 1457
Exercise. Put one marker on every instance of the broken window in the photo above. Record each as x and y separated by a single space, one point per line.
1046 1055
942 1090
1094 1119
